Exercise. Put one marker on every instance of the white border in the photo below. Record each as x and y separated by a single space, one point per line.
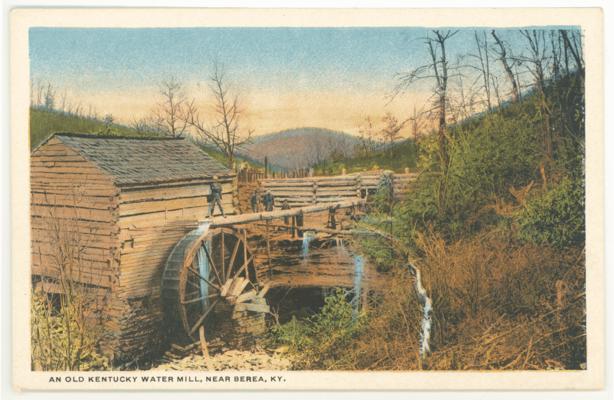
366 17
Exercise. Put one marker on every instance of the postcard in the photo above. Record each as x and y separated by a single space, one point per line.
217 199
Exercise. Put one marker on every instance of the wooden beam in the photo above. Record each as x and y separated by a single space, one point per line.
326 230
269 215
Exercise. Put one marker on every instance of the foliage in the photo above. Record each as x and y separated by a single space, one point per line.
64 338
498 303
491 157
501 256
555 217
320 342
396 157
44 123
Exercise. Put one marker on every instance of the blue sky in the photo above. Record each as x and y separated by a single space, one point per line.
123 66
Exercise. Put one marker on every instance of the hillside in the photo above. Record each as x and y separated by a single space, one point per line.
300 147
44 123
402 154
498 237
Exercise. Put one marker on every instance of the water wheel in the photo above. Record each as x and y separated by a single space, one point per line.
205 268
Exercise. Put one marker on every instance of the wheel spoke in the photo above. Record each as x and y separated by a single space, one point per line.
244 267
199 299
213 266
232 258
193 284
192 294
202 317
192 270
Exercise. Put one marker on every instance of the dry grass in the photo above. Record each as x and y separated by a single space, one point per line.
498 305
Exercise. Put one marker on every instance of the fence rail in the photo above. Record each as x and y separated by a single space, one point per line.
323 189
246 175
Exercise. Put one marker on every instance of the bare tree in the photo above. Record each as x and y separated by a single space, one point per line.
536 63
391 129
538 57
437 70
417 123
144 126
495 86
40 88
172 112
483 57
555 47
440 69
225 133
506 66
49 97
368 140
63 97
572 45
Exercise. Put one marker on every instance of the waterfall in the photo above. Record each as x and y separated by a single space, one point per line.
307 238
427 308
359 264
203 265
203 270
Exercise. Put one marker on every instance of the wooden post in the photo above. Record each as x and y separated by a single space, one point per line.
268 248
245 253
315 191
204 348
299 224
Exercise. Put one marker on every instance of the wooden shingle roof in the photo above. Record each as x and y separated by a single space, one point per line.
133 161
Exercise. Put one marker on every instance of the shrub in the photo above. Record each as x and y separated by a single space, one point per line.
499 304
64 337
321 341
555 217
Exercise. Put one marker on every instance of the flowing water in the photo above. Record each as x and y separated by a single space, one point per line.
427 308
360 269
359 264
307 239
203 265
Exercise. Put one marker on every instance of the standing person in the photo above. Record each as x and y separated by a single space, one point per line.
332 221
268 200
253 200
285 206
215 197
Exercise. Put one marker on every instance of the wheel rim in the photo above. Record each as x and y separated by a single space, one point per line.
208 263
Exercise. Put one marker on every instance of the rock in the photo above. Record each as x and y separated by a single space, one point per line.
281 349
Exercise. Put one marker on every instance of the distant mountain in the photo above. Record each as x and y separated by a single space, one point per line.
300 147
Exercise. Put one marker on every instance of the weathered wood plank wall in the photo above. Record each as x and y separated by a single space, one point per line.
73 210
123 235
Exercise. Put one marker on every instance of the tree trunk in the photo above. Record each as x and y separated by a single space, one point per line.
506 66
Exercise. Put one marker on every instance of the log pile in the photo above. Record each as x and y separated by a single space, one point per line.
322 189
245 190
